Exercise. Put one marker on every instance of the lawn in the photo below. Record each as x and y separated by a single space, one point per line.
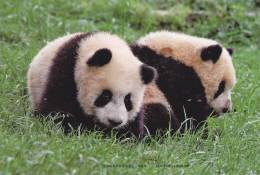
28 146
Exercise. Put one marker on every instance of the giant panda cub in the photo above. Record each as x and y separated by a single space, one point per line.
93 79
195 79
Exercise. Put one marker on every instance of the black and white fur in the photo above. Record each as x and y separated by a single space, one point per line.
195 79
91 78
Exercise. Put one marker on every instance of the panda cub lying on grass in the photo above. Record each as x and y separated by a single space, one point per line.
195 79
93 79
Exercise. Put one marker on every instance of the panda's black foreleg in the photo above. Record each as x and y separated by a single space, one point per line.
158 119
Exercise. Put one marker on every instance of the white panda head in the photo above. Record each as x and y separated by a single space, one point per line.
110 80
219 92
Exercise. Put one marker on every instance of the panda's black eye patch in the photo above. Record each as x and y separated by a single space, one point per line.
128 102
221 89
103 98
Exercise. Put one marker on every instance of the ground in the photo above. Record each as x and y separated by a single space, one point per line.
28 146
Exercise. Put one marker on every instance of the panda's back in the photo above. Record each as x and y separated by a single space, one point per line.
51 72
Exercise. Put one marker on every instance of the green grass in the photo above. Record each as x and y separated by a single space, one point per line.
28 146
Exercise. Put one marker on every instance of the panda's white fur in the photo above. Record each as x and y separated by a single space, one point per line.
121 75
187 49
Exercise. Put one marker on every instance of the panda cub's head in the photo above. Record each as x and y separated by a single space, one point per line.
110 80
221 77
209 60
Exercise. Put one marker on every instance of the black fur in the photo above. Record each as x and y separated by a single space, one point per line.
158 119
128 102
60 92
100 58
181 86
104 98
212 53
221 89
147 74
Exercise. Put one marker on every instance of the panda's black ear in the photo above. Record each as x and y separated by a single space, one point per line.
212 53
100 58
148 74
230 51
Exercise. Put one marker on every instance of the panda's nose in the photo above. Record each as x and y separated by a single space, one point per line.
228 104
225 110
227 107
114 122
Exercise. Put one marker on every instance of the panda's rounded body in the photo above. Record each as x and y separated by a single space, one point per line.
195 77
91 78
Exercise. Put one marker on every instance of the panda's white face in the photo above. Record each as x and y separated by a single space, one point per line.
113 95
114 109
222 103
221 99
110 81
